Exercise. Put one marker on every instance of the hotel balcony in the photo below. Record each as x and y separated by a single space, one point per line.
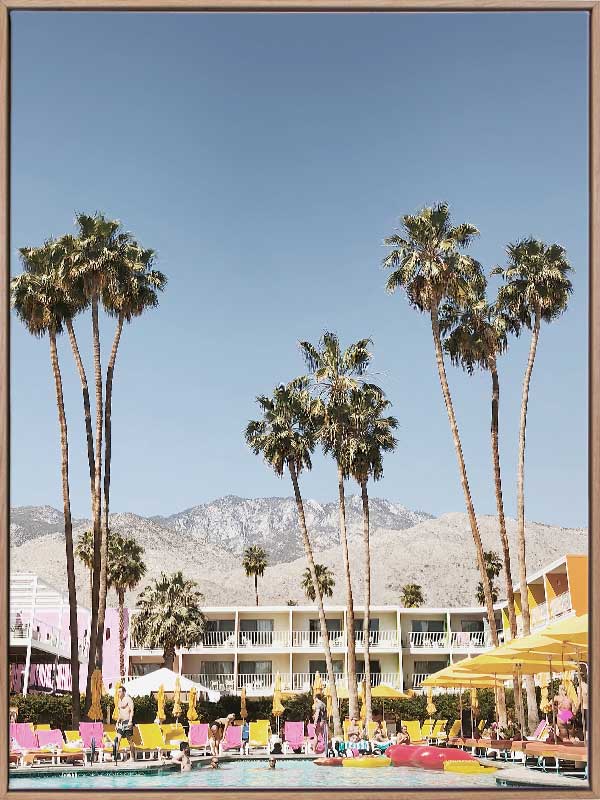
560 605
259 685
43 636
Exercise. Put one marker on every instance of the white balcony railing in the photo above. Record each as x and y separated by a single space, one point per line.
382 639
337 639
561 604
264 639
256 682
427 639
418 678
223 683
539 615
218 639
470 640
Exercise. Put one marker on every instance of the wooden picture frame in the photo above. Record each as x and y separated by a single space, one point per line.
592 7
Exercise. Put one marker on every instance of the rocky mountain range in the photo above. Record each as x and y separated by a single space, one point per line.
207 541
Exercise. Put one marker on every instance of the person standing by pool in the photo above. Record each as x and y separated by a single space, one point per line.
564 708
124 726
320 723
217 732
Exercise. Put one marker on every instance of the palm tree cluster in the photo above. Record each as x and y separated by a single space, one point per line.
125 570
428 261
102 266
334 407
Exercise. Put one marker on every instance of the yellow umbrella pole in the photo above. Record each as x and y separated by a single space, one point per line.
460 710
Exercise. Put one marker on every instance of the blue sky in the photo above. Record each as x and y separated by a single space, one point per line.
265 157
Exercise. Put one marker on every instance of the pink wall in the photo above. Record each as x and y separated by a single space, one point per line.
41 675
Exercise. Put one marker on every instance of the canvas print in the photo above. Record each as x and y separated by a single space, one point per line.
298 401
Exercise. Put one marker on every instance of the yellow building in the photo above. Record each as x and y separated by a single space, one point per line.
556 591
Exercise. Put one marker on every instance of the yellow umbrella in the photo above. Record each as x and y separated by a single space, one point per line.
95 709
115 714
177 699
243 709
317 684
388 692
363 702
277 709
160 704
342 693
430 708
192 714
545 704
574 630
474 699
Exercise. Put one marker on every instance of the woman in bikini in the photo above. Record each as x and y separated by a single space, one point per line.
564 709
217 732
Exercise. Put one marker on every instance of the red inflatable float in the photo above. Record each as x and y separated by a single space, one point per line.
328 762
424 756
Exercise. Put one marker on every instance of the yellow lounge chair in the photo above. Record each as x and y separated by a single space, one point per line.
174 734
454 730
148 739
346 727
259 734
72 736
109 734
427 728
43 727
414 730
439 731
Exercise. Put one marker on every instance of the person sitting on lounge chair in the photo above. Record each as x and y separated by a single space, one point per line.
354 728
403 737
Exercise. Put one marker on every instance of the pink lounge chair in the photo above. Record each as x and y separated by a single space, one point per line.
233 739
51 738
293 736
23 735
198 737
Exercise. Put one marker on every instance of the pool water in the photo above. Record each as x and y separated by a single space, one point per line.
254 774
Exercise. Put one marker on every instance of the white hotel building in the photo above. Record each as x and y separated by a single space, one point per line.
248 645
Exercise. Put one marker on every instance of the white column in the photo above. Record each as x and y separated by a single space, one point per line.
235 651
400 664
291 636
28 653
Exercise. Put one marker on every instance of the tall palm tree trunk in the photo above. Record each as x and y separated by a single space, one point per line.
95 642
64 450
169 656
510 595
121 596
337 728
367 615
485 581
532 709
352 688
256 586
110 370
87 413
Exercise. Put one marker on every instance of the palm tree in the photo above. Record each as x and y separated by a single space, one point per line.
412 595
136 292
476 333
126 571
169 616
370 435
286 437
97 263
42 306
325 581
429 265
493 566
335 373
84 550
536 289
254 563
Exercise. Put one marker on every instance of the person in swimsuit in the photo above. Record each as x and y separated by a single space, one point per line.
124 726
354 728
564 709
272 763
217 732
185 760
320 723
214 763
403 737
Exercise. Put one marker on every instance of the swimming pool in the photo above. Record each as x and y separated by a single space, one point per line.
255 774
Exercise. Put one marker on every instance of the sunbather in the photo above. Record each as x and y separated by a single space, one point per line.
403 737
564 708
